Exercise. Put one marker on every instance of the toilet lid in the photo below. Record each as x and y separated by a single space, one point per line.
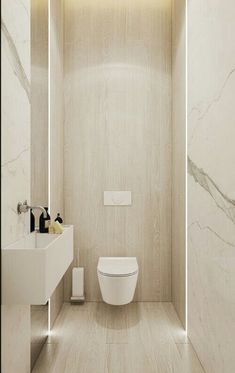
117 266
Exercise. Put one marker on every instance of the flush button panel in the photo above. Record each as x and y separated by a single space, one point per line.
117 198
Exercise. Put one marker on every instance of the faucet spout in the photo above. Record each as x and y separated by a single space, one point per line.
39 208
24 207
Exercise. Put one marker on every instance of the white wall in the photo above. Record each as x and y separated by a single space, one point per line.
211 182
15 166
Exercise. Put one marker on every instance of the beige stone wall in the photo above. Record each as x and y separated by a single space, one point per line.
118 137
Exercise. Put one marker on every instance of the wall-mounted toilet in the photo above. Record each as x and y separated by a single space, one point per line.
117 279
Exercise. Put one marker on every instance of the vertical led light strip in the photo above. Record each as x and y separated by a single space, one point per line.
186 166
49 105
49 317
49 133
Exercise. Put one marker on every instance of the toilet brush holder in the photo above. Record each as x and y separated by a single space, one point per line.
78 295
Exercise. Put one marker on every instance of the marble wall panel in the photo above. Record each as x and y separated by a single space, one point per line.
211 180
15 167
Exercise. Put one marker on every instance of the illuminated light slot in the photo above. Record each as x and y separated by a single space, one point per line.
49 105
186 182
49 317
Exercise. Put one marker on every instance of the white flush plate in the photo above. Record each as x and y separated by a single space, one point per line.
117 198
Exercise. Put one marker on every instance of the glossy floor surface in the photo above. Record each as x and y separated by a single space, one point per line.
141 337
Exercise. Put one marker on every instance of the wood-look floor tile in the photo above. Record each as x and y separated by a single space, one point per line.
141 337
189 358
177 332
117 331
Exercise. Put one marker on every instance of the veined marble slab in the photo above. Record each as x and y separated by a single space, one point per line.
15 116
15 167
211 182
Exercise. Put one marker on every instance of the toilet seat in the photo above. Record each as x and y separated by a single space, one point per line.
117 266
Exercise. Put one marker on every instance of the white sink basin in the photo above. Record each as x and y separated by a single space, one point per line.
33 266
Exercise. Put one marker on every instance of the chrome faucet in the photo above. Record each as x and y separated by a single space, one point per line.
24 207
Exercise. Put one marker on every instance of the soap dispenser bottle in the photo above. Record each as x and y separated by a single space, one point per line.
58 218
32 221
44 222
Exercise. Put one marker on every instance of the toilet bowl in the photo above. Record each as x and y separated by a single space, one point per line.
117 279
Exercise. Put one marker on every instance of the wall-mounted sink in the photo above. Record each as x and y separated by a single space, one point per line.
33 266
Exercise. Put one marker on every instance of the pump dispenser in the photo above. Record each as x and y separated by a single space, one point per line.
44 222
58 218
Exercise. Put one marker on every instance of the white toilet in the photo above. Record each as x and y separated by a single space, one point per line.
117 278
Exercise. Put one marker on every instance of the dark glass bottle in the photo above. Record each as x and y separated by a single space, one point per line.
44 222
32 221
58 218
